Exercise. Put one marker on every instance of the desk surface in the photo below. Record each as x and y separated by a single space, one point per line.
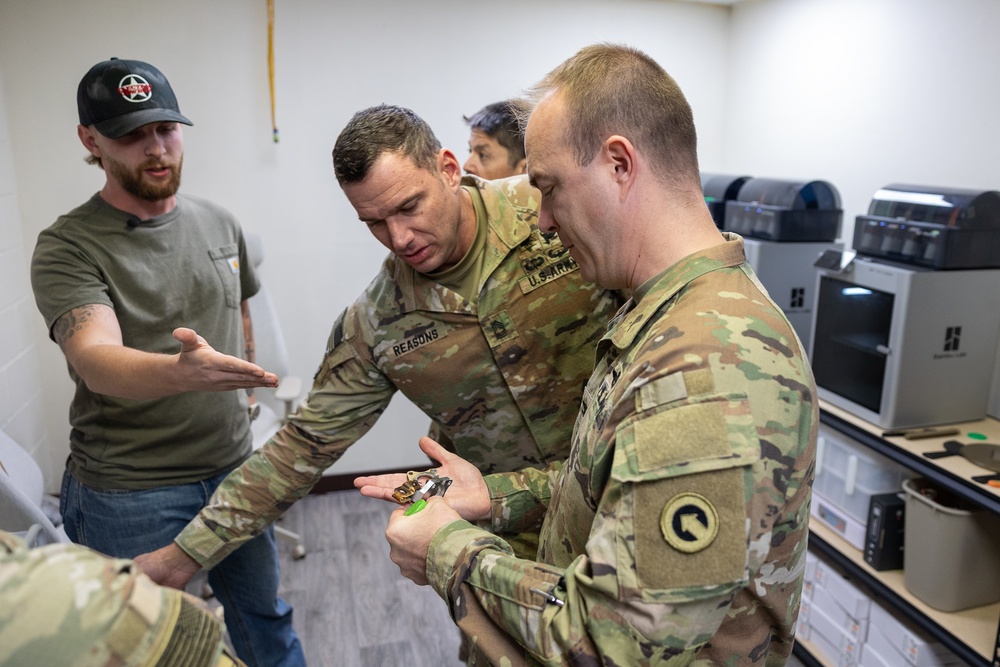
957 466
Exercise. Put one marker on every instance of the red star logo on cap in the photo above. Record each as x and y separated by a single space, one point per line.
134 88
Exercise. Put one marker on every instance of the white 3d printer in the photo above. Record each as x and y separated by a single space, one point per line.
906 333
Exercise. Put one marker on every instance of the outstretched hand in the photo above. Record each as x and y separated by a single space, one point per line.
468 494
205 369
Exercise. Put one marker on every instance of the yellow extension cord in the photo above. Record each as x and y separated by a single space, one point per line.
270 63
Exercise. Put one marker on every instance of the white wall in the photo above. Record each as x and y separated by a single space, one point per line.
863 93
857 92
441 58
22 398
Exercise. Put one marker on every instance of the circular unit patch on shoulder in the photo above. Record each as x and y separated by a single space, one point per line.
689 522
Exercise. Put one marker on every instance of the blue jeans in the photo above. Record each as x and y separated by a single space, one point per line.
124 524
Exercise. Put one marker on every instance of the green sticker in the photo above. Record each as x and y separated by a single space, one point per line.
415 507
976 436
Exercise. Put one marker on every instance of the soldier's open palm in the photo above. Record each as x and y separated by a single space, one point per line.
467 495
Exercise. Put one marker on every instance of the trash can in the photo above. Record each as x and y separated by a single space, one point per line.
952 549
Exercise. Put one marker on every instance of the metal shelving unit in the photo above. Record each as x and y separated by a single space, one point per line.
967 488
955 478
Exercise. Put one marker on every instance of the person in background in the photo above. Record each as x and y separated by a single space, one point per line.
479 318
145 291
496 144
64 605
676 531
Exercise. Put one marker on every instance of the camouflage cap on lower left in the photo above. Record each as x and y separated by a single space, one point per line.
64 604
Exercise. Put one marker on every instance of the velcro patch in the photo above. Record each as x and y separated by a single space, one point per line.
695 431
662 390
499 328
547 273
674 387
414 342
705 542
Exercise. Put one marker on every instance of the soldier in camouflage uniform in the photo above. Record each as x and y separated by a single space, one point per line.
64 605
477 317
676 531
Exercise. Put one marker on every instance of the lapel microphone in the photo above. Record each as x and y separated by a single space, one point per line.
134 221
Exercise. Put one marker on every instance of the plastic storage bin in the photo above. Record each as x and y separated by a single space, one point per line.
952 549
849 474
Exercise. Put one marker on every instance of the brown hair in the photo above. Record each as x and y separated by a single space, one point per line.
381 129
615 89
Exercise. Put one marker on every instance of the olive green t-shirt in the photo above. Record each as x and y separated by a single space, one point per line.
464 277
186 268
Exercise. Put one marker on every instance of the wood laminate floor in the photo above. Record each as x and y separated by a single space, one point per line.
352 607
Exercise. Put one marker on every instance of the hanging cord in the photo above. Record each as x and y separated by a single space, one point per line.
270 63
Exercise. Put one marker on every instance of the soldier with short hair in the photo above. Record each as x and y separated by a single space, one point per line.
496 143
481 320
64 605
676 531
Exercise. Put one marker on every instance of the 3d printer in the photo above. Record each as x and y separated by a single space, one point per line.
776 210
718 190
785 226
939 228
906 333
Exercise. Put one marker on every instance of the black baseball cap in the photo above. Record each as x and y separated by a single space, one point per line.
116 96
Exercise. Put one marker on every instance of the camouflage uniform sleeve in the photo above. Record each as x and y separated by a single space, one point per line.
348 396
518 500
64 604
555 616
558 615
626 597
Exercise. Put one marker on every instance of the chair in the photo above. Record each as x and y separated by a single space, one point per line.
22 491
21 505
271 355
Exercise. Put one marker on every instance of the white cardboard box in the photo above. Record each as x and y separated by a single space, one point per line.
838 521
885 632
851 599
828 652
802 629
870 657
847 646
856 627
810 574
829 649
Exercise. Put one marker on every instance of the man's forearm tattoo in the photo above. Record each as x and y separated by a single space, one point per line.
249 352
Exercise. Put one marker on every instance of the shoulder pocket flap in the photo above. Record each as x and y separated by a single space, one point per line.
339 348
335 357
340 354
685 439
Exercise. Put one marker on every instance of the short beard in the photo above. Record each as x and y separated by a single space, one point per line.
134 183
